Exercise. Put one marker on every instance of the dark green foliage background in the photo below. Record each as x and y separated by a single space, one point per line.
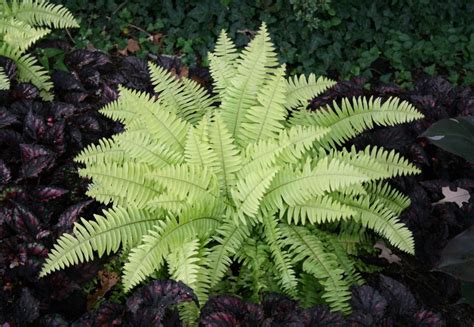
390 40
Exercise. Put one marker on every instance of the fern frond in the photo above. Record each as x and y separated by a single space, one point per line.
249 191
20 35
143 148
352 118
392 161
198 151
182 262
305 247
166 235
281 257
29 71
185 181
40 12
117 227
130 179
376 216
229 237
108 150
121 110
227 154
240 95
301 90
166 127
318 210
4 80
388 196
295 186
171 202
264 120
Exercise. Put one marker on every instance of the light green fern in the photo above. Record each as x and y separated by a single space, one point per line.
238 182
22 23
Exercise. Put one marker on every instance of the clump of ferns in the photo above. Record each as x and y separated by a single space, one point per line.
196 186
22 23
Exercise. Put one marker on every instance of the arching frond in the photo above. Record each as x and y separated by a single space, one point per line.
132 180
376 216
281 257
352 118
227 155
117 227
40 12
108 150
264 120
318 210
19 35
305 247
388 196
240 93
29 71
4 80
167 235
301 90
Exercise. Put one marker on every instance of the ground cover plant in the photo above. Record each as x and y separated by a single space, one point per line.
394 42
193 184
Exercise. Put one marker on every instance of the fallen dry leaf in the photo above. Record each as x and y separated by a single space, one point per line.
156 38
107 281
459 196
132 47
387 253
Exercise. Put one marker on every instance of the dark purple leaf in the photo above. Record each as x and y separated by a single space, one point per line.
25 221
280 309
321 316
360 319
36 166
425 318
5 174
136 72
56 136
53 320
66 82
34 127
239 310
70 216
26 309
219 319
108 93
62 110
75 97
368 300
90 77
399 299
24 91
31 151
7 118
9 66
47 193
81 58
88 123
109 314
148 304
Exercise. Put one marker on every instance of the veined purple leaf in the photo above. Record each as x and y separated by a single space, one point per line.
24 91
5 174
109 315
219 319
34 126
400 301
27 307
25 221
7 118
321 316
31 151
56 136
232 308
70 216
425 318
62 110
65 81
47 193
368 300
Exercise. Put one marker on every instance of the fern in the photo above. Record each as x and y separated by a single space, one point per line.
233 183
4 80
22 23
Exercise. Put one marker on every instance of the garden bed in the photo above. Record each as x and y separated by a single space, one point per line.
42 196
